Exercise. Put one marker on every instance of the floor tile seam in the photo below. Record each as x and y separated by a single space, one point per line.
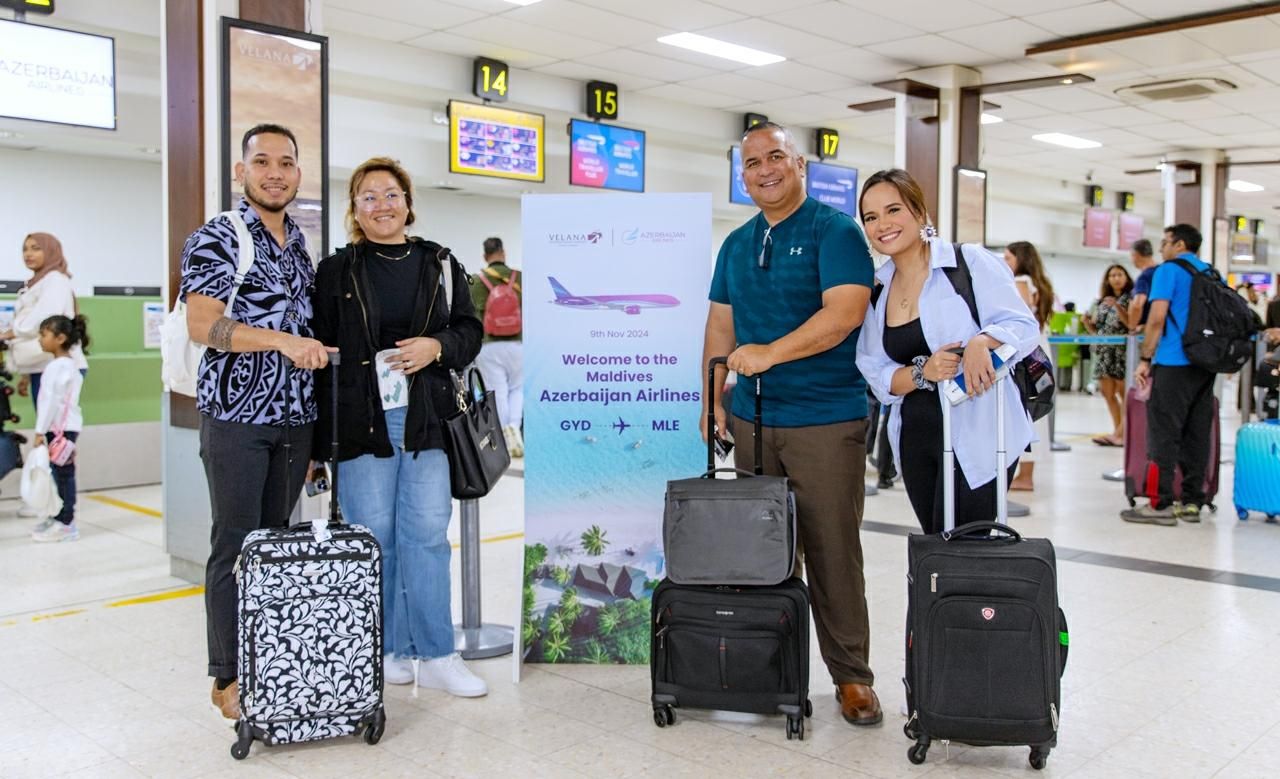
90 606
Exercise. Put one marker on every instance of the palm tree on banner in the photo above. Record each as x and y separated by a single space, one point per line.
555 647
594 541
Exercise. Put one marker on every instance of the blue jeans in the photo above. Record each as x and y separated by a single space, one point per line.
406 502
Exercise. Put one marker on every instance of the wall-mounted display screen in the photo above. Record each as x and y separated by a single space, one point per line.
1131 227
835 185
737 187
52 75
496 142
605 156
1097 227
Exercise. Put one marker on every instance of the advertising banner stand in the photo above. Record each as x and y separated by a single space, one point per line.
615 302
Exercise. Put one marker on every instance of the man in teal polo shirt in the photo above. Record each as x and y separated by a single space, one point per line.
1180 411
790 290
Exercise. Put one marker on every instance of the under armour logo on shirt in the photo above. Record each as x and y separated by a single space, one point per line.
797 250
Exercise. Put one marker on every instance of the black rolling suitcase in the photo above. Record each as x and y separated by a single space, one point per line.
732 649
310 629
986 641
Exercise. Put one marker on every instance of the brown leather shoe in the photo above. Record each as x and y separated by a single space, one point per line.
227 700
859 704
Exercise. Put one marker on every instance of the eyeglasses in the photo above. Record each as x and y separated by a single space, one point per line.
369 201
766 249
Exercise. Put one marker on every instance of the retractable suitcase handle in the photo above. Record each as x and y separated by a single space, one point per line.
980 528
335 511
949 459
711 420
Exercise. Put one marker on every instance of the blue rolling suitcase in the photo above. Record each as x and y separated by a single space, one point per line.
1257 480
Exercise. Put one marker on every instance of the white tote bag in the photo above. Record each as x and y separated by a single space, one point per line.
179 355
38 490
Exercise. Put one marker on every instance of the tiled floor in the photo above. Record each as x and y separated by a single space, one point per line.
1168 676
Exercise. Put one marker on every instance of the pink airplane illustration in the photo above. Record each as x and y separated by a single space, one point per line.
629 304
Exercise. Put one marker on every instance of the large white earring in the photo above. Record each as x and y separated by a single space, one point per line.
928 233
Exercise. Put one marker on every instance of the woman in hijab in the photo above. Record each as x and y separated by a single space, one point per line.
47 293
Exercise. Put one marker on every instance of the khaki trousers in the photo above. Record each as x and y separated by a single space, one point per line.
826 466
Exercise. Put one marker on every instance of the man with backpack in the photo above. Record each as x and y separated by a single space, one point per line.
497 299
1196 327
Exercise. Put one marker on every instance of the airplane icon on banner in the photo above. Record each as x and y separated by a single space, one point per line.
621 425
629 304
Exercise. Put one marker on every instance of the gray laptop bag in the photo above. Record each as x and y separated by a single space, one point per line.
739 531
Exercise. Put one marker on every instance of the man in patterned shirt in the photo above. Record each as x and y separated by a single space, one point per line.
255 386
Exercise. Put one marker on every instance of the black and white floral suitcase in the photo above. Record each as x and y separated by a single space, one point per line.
310 629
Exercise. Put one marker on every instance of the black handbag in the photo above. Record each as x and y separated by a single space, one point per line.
473 439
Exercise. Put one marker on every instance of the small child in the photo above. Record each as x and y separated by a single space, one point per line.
58 407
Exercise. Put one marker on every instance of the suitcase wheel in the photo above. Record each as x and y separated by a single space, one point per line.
1272 519
1039 758
808 707
918 753
244 738
664 716
795 728
1243 514
1132 503
373 733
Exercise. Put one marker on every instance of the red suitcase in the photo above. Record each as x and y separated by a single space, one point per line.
1140 473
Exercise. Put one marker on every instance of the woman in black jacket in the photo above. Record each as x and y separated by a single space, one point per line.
399 310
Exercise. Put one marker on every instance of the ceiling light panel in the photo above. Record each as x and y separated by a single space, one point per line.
719 48
1069 141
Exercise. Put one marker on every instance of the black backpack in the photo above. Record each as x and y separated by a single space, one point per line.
1218 333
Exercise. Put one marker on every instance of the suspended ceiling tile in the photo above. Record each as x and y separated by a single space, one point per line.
929 50
1247 140
378 28
1190 109
875 128
431 14
645 65
686 15
1084 19
675 53
583 72
1004 147
1007 39
1169 9
1066 122
1009 131
844 23
801 77
582 20
450 43
1250 100
1070 99
1028 7
858 64
774 38
691 96
1126 117
1231 125
1113 136
740 87
1167 50
1270 117
858 94
1017 69
805 109
502 28
1234 39
929 15
761 7
1268 69
1162 129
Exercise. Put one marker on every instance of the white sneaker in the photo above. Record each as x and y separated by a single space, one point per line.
397 670
27 512
41 526
56 531
450 674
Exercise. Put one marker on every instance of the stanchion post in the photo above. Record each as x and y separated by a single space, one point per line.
474 639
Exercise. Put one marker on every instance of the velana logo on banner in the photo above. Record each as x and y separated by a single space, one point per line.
612 340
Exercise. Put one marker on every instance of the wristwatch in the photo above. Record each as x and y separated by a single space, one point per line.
917 373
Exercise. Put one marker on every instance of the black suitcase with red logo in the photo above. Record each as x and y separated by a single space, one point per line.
986 641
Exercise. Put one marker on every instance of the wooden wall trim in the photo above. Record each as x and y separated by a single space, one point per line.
289 14
1140 30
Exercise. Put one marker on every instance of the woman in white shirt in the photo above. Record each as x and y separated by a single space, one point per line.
906 348
47 293
1037 292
